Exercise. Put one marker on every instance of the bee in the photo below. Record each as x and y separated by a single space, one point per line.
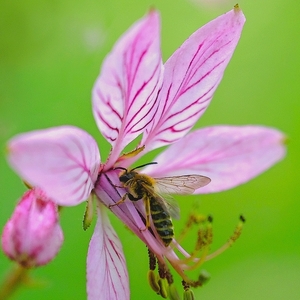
155 192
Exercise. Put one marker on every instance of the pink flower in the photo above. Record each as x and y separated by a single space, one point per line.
32 236
136 94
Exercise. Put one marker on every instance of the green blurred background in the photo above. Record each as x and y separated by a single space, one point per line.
50 55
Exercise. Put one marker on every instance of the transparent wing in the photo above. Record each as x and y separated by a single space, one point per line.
167 202
170 205
182 185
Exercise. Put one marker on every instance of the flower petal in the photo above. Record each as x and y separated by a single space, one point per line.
228 155
191 77
63 161
107 276
125 92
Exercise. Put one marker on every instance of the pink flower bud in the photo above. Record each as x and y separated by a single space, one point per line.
33 236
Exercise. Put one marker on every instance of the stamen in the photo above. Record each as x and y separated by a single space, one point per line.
200 252
159 284
203 242
203 277
188 293
153 281
163 284
192 220
230 242
165 280
173 293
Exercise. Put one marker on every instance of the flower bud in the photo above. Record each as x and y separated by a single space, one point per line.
32 236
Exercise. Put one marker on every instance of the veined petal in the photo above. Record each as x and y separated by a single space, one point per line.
228 155
124 95
107 277
63 161
191 77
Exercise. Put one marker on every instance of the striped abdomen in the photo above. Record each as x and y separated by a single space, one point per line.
162 222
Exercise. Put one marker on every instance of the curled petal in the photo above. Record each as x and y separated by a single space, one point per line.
107 277
64 162
228 155
191 77
124 95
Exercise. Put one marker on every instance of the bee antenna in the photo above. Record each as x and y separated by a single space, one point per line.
120 168
147 164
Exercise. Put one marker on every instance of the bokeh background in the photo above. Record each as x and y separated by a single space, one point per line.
50 55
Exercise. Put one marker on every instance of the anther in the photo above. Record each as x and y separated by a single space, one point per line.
163 285
153 281
210 218
242 219
173 293
203 277
188 295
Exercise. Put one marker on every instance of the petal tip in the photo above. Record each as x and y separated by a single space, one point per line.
238 12
7 149
152 10
236 8
9 146
285 140
153 13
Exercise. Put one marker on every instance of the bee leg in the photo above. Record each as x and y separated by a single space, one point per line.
148 212
119 202
119 186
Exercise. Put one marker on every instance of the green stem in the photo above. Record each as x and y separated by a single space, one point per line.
13 281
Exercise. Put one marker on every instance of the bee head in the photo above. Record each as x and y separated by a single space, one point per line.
125 175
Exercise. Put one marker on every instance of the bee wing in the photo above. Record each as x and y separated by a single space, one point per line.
167 202
170 204
182 185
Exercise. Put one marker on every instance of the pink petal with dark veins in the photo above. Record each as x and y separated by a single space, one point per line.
63 161
228 155
124 95
107 277
191 77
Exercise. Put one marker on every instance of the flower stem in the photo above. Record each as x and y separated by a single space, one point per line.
13 280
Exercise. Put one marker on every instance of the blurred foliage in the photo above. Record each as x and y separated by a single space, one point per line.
50 55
